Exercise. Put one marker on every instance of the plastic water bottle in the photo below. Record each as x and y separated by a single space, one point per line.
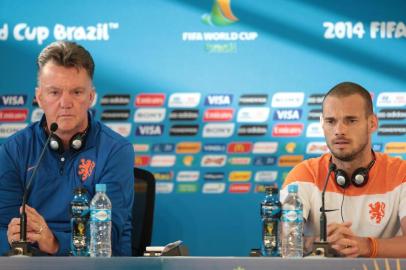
270 215
292 225
80 223
100 223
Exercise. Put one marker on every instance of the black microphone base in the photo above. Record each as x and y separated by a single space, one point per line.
324 249
24 248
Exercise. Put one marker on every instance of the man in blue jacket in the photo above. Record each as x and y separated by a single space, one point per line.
83 152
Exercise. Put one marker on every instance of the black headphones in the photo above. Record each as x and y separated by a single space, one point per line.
359 178
75 143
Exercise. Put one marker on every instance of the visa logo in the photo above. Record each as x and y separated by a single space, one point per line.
287 114
218 100
13 100
149 130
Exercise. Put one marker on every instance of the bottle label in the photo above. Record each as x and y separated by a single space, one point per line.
99 215
292 215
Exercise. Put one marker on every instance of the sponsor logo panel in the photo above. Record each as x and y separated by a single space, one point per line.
163 147
377 147
292 147
239 147
214 147
149 130
184 115
218 100
187 188
395 148
287 130
290 160
164 188
266 176
265 148
163 160
185 100
391 99
188 160
315 99
239 188
13 115
188 147
139 148
214 130
149 115
264 161
7 130
317 148
115 115
213 161
287 115
314 130
239 176
253 99
240 161
13 100
252 130
214 188
314 114
391 130
188 176
253 115
287 99
390 114
115 100
124 129
150 100
141 161
37 114
213 176
218 115
183 130
163 176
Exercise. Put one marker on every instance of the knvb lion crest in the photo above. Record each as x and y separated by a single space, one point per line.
377 211
86 167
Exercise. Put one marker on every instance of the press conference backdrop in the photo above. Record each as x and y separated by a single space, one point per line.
218 97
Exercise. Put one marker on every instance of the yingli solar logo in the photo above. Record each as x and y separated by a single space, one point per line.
221 14
287 130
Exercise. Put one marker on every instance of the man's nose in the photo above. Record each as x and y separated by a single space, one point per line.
340 128
66 100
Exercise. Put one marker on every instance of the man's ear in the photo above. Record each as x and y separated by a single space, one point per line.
373 122
38 96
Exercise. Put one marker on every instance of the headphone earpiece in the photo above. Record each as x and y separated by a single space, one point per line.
341 178
360 177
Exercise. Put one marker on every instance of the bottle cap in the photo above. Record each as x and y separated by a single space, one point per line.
293 188
271 189
80 190
100 187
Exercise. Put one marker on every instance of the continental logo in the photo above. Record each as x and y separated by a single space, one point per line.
266 176
13 115
185 100
253 115
391 130
187 188
315 99
149 115
149 130
314 114
188 160
115 115
387 114
239 161
287 115
214 130
214 188
239 147
218 100
221 14
265 148
141 161
264 161
164 188
163 176
213 176
239 176
213 161
184 115
139 147
214 147
287 130
188 147
163 161
13 100
36 114
314 130
7 130
124 129
290 160
253 99
252 130
188 176
218 115
287 99
163 147
239 188
184 130
150 100
115 100
395 148
391 99
317 148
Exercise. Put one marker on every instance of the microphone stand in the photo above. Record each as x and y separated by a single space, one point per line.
323 248
22 247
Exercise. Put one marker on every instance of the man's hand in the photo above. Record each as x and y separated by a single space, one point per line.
37 231
345 242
